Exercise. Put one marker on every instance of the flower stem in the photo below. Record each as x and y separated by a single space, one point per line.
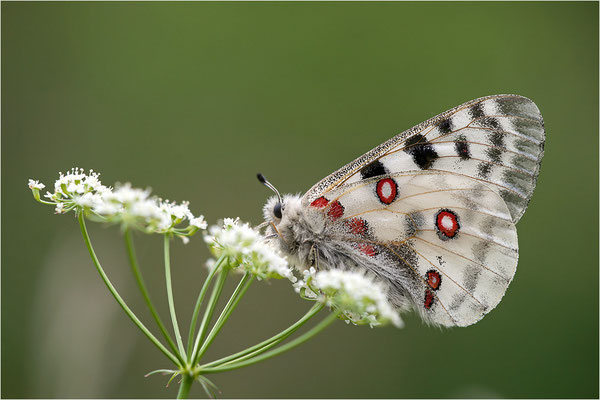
268 343
199 303
288 346
170 295
184 387
117 297
142 286
210 309
235 298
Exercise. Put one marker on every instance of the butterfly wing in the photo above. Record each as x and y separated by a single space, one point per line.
433 210
497 140
444 241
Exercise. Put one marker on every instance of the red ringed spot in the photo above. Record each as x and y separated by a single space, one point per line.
429 299
367 249
446 222
434 280
387 189
320 202
336 210
357 226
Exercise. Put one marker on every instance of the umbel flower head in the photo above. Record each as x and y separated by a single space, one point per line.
131 207
360 299
247 250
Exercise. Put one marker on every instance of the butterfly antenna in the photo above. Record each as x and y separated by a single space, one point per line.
265 182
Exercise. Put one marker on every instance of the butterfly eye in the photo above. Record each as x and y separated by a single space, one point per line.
277 210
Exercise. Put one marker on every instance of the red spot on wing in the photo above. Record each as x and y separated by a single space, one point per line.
446 222
434 280
387 189
367 249
429 299
357 226
336 210
320 202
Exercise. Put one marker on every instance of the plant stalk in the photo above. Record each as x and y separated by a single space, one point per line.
170 295
288 346
117 297
201 295
235 298
268 343
142 286
184 386
208 313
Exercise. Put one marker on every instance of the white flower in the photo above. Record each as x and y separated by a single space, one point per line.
88 199
230 222
126 194
106 208
36 185
125 205
301 285
247 249
359 298
199 222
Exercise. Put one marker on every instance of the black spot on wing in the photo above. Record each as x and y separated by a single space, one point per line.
476 111
445 126
461 146
494 154
471 274
497 138
491 123
421 151
375 168
484 169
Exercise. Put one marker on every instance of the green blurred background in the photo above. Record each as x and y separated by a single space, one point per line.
193 99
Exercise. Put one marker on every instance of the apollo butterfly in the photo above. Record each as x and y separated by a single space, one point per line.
431 212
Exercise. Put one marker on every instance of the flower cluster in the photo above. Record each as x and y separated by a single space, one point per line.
247 250
360 299
125 205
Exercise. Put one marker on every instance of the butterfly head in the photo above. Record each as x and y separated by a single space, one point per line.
278 208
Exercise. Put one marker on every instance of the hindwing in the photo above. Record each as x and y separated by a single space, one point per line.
444 240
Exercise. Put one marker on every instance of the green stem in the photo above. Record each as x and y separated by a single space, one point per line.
142 286
184 387
288 346
268 343
117 297
170 295
210 309
235 298
199 303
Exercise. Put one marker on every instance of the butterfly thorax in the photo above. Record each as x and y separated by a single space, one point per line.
306 237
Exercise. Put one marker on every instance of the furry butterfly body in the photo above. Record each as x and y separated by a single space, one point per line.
431 212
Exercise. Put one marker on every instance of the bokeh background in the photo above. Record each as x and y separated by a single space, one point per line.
193 99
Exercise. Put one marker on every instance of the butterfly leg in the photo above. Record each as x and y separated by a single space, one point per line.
261 226
313 257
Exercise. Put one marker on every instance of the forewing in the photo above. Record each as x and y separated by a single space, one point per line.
445 240
497 140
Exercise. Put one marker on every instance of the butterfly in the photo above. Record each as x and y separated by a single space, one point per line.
431 212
